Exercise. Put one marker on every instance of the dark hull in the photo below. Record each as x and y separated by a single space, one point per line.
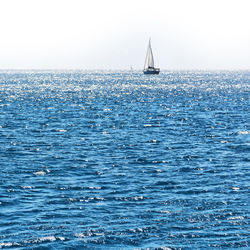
151 71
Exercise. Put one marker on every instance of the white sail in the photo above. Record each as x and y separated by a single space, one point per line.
149 62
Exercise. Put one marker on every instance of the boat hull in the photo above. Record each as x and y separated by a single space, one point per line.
151 71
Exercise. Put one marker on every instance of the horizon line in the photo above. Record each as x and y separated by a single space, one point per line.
121 69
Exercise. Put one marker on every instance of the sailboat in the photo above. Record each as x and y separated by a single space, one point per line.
149 62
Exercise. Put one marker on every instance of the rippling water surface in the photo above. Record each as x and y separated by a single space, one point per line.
122 160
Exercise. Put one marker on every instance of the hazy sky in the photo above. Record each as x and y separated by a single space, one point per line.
113 34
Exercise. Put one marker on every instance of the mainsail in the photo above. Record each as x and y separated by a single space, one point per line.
149 62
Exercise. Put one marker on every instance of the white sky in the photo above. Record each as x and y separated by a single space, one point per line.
113 34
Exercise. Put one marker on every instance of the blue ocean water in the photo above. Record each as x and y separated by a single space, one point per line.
119 160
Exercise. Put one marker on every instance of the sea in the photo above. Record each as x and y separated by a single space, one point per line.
122 160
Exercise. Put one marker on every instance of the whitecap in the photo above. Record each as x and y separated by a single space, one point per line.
6 244
41 173
79 235
165 212
159 170
137 198
48 238
236 218
94 187
62 130
223 141
243 132
27 187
